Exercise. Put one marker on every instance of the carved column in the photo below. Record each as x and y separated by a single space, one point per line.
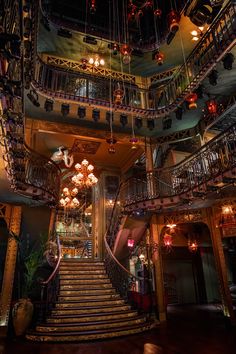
221 268
9 269
155 230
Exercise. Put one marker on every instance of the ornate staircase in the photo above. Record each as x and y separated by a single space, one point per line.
88 307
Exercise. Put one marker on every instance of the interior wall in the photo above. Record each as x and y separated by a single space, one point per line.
35 222
210 275
182 271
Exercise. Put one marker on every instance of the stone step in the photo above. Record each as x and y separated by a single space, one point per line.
89 303
84 271
84 281
88 297
95 291
83 276
88 335
88 310
85 287
75 268
83 318
115 323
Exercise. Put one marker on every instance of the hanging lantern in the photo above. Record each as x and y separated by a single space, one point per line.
192 246
191 99
157 13
228 216
126 52
212 106
167 240
130 243
173 19
115 49
118 95
84 63
92 6
148 4
111 141
134 141
159 57
132 12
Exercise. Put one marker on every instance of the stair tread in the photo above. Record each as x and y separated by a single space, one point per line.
93 314
107 330
92 307
105 321
86 301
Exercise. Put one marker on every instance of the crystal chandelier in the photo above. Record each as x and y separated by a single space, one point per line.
84 178
69 199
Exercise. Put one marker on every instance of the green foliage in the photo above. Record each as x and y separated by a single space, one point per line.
31 259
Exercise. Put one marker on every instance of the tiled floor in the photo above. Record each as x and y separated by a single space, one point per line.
189 330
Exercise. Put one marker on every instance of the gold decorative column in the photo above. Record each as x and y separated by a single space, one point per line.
221 268
52 221
14 215
149 168
155 230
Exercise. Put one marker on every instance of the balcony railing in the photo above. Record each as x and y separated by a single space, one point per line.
197 175
218 40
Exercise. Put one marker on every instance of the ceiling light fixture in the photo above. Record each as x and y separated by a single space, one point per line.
96 61
69 200
85 177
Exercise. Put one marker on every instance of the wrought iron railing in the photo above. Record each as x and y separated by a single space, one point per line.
217 41
50 287
190 178
29 173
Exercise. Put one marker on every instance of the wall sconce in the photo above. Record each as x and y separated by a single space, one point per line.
138 122
123 120
65 109
48 105
81 112
96 115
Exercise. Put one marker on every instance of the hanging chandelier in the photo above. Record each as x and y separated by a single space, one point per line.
85 177
68 199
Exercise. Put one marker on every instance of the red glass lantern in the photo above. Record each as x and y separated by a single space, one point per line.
130 243
157 13
212 106
126 52
159 57
168 241
134 141
115 49
92 6
118 95
148 4
132 12
173 19
192 100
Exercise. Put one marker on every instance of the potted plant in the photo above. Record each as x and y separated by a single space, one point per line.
30 260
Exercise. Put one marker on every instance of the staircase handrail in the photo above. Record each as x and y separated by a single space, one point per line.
55 270
50 287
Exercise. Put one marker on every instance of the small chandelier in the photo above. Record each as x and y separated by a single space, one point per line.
96 61
118 95
228 216
69 199
85 177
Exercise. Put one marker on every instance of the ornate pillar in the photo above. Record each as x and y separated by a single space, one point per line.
52 221
155 230
221 268
149 169
9 269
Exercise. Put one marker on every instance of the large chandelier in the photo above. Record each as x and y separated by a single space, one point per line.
68 199
85 177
